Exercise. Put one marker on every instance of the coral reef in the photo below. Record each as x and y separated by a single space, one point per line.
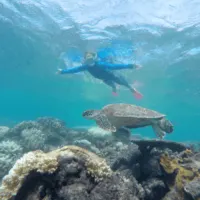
33 138
39 161
3 131
43 134
71 181
183 169
9 153
192 189
93 164
31 161
194 146
161 144
98 132
154 188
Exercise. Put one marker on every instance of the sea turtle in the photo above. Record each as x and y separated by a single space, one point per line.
113 117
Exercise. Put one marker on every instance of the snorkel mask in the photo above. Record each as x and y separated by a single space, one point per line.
90 58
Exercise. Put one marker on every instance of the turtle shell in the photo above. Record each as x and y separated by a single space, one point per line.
131 111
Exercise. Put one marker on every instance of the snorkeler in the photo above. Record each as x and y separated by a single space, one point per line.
102 71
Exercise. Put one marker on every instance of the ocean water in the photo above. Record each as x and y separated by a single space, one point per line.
37 37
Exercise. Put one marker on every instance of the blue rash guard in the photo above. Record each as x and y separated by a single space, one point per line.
99 70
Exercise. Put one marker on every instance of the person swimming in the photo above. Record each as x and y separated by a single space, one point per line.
103 71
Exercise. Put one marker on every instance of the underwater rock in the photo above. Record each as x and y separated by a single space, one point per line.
173 195
117 187
127 157
161 144
142 161
191 192
192 189
44 165
150 163
77 185
111 151
154 189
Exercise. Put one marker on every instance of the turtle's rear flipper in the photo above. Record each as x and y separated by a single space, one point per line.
158 131
103 122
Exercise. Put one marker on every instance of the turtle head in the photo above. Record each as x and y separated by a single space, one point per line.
91 114
166 125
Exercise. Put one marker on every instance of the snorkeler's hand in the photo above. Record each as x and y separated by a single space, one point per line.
59 71
137 66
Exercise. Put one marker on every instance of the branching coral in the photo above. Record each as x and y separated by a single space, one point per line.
9 153
98 132
3 131
48 163
33 139
22 126
183 173
51 124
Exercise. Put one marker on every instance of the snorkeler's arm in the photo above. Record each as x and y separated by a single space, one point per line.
73 70
117 66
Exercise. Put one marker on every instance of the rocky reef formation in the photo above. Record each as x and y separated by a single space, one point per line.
69 164
61 162
47 134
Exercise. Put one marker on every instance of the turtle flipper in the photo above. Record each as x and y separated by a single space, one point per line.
158 131
103 122
125 131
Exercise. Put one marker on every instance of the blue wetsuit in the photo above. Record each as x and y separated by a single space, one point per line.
102 71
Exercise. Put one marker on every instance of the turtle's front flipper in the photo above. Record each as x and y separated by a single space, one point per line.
123 134
158 131
124 131
103 122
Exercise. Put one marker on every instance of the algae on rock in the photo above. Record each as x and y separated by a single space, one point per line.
183 170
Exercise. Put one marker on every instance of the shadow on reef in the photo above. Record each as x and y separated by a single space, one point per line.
95 165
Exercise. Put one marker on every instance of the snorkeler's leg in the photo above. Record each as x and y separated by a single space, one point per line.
122 81
112 85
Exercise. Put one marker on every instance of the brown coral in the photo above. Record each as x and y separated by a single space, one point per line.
183 172
48 162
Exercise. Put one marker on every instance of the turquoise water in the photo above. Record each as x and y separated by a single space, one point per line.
162 36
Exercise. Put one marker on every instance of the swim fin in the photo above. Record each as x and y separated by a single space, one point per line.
137 95
114 94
